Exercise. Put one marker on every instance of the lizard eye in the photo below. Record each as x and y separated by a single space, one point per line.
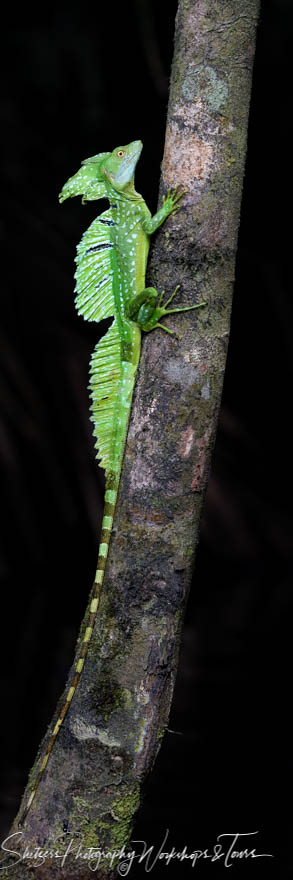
120 153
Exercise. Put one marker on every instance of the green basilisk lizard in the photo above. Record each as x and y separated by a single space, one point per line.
110 283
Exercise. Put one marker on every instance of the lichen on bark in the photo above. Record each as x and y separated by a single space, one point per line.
111 735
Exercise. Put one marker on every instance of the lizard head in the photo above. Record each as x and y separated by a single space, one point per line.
119 166
116 168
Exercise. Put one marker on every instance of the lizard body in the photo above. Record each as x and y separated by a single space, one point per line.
110 282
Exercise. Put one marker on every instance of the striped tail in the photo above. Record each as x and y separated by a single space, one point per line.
111 407
107 522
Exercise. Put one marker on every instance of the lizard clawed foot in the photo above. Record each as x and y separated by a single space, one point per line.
162 310
172 199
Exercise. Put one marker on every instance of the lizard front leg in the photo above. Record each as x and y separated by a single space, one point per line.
169 206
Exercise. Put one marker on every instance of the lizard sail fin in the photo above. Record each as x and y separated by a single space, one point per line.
105 387
94 275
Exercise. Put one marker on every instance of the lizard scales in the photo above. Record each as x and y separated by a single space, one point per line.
110 282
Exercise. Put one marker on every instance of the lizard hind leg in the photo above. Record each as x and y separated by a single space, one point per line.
151 321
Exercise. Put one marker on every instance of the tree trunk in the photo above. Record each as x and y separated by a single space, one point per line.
114 727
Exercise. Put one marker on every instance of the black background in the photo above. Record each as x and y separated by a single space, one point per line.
78 79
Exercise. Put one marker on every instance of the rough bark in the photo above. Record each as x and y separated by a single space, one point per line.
114 728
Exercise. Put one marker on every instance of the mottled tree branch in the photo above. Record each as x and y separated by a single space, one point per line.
113 730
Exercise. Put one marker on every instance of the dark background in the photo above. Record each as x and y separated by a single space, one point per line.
72 87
